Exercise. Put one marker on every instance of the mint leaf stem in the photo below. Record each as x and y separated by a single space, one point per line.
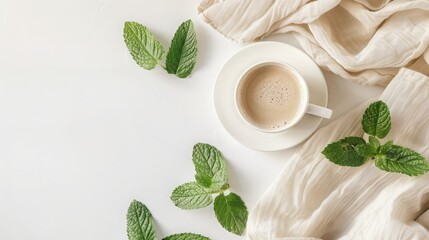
222 190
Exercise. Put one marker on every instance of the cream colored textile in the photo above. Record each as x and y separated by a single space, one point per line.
366 41
316 199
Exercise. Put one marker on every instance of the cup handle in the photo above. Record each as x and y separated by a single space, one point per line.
319 111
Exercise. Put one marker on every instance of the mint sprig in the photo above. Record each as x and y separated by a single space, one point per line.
147 52
140 225
211 178
354 151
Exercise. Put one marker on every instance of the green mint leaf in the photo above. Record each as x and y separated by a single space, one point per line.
365 150
343 152
210 166
386 147
191 196
402 160
231 212
376 119
186 236
139 222
182 54
374 143
143 47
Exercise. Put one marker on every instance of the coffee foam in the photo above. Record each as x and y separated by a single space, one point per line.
269 97
275 92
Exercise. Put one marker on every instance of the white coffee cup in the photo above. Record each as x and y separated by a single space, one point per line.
272 90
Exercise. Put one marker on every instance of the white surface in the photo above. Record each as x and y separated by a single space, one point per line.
84 130
228 78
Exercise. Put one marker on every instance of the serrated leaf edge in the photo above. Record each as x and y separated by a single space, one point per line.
199 149
132 209
184 234
346 139
376 106
192 207
146 32
241 231
418 172
190 38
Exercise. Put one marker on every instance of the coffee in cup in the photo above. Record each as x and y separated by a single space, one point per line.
273 96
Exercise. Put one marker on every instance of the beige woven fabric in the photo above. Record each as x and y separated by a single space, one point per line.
366 41
316 199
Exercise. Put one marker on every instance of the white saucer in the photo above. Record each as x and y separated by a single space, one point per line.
229 75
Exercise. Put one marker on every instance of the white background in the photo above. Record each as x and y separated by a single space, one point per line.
84 130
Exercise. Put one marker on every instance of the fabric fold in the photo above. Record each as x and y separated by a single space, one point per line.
366 41
315 198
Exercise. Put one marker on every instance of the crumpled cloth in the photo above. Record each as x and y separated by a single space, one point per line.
316 199
366 41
